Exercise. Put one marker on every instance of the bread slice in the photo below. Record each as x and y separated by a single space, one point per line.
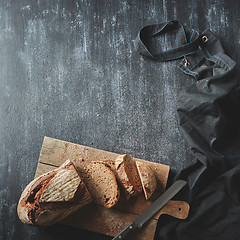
53 196
126 167
102 184
118 169
148 179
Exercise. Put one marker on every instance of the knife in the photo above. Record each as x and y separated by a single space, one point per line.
153 209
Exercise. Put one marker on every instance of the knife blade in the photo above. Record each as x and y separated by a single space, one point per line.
153 209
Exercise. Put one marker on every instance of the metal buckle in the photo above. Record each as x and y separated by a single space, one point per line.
204 38
186 63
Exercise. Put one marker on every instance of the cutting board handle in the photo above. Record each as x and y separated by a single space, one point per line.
177 209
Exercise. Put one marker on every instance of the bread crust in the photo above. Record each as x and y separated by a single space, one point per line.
35 210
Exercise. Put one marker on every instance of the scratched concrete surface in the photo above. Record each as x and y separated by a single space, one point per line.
68 70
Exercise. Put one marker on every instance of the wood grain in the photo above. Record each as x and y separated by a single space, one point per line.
110 221
97 218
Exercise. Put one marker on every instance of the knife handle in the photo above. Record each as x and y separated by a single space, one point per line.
124 232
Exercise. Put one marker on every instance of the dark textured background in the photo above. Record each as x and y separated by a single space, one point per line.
68 70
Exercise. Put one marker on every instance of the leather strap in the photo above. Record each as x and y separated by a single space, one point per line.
146 34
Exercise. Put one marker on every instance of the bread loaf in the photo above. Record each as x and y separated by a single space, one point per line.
53 196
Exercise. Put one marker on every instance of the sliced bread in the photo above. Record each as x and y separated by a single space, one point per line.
148 179
122 178
102 184
127 169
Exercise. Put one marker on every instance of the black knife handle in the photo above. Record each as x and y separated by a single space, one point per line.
124 232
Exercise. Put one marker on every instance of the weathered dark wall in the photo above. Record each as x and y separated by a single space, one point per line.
69 70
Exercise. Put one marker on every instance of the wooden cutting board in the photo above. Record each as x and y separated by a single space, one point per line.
97 218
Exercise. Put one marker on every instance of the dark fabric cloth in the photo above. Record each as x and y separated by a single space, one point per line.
209 116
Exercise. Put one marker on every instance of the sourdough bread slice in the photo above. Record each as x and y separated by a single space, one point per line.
126 167
148 179
118 169
102 184
124 181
